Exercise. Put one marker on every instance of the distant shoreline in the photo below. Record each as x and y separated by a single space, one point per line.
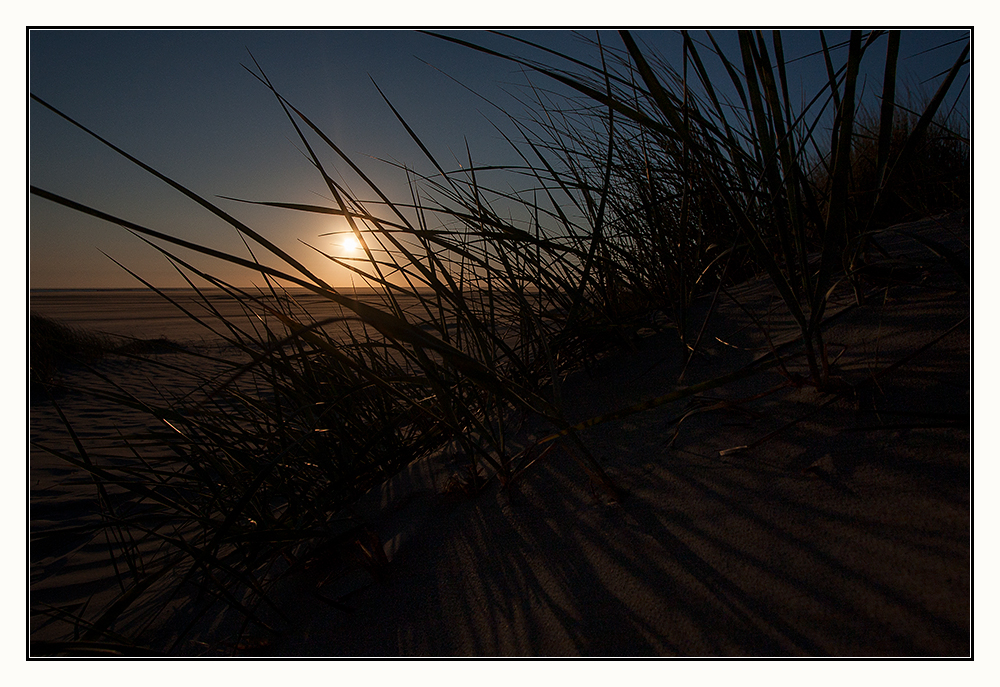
345 290
178 289
112 289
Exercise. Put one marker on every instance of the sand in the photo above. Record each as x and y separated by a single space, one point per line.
843 531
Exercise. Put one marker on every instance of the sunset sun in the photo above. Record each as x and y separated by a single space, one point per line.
349 242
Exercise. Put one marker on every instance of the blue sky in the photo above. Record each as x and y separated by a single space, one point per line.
182 102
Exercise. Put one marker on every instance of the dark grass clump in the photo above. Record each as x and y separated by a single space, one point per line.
679 178
53 346
936 178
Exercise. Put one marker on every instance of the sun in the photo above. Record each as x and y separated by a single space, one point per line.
349 242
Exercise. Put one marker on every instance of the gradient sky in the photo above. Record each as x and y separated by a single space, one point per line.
181 102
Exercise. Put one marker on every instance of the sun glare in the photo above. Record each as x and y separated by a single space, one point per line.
350 243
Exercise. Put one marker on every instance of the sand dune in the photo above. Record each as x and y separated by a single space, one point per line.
843 530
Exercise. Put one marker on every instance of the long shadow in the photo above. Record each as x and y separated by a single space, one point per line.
578 587
549 570
801 512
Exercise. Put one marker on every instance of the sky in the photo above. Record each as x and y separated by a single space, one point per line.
182 102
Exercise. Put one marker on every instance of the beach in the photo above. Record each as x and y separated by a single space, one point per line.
763 517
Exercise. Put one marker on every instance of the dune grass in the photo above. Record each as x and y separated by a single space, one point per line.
53 346
645 191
